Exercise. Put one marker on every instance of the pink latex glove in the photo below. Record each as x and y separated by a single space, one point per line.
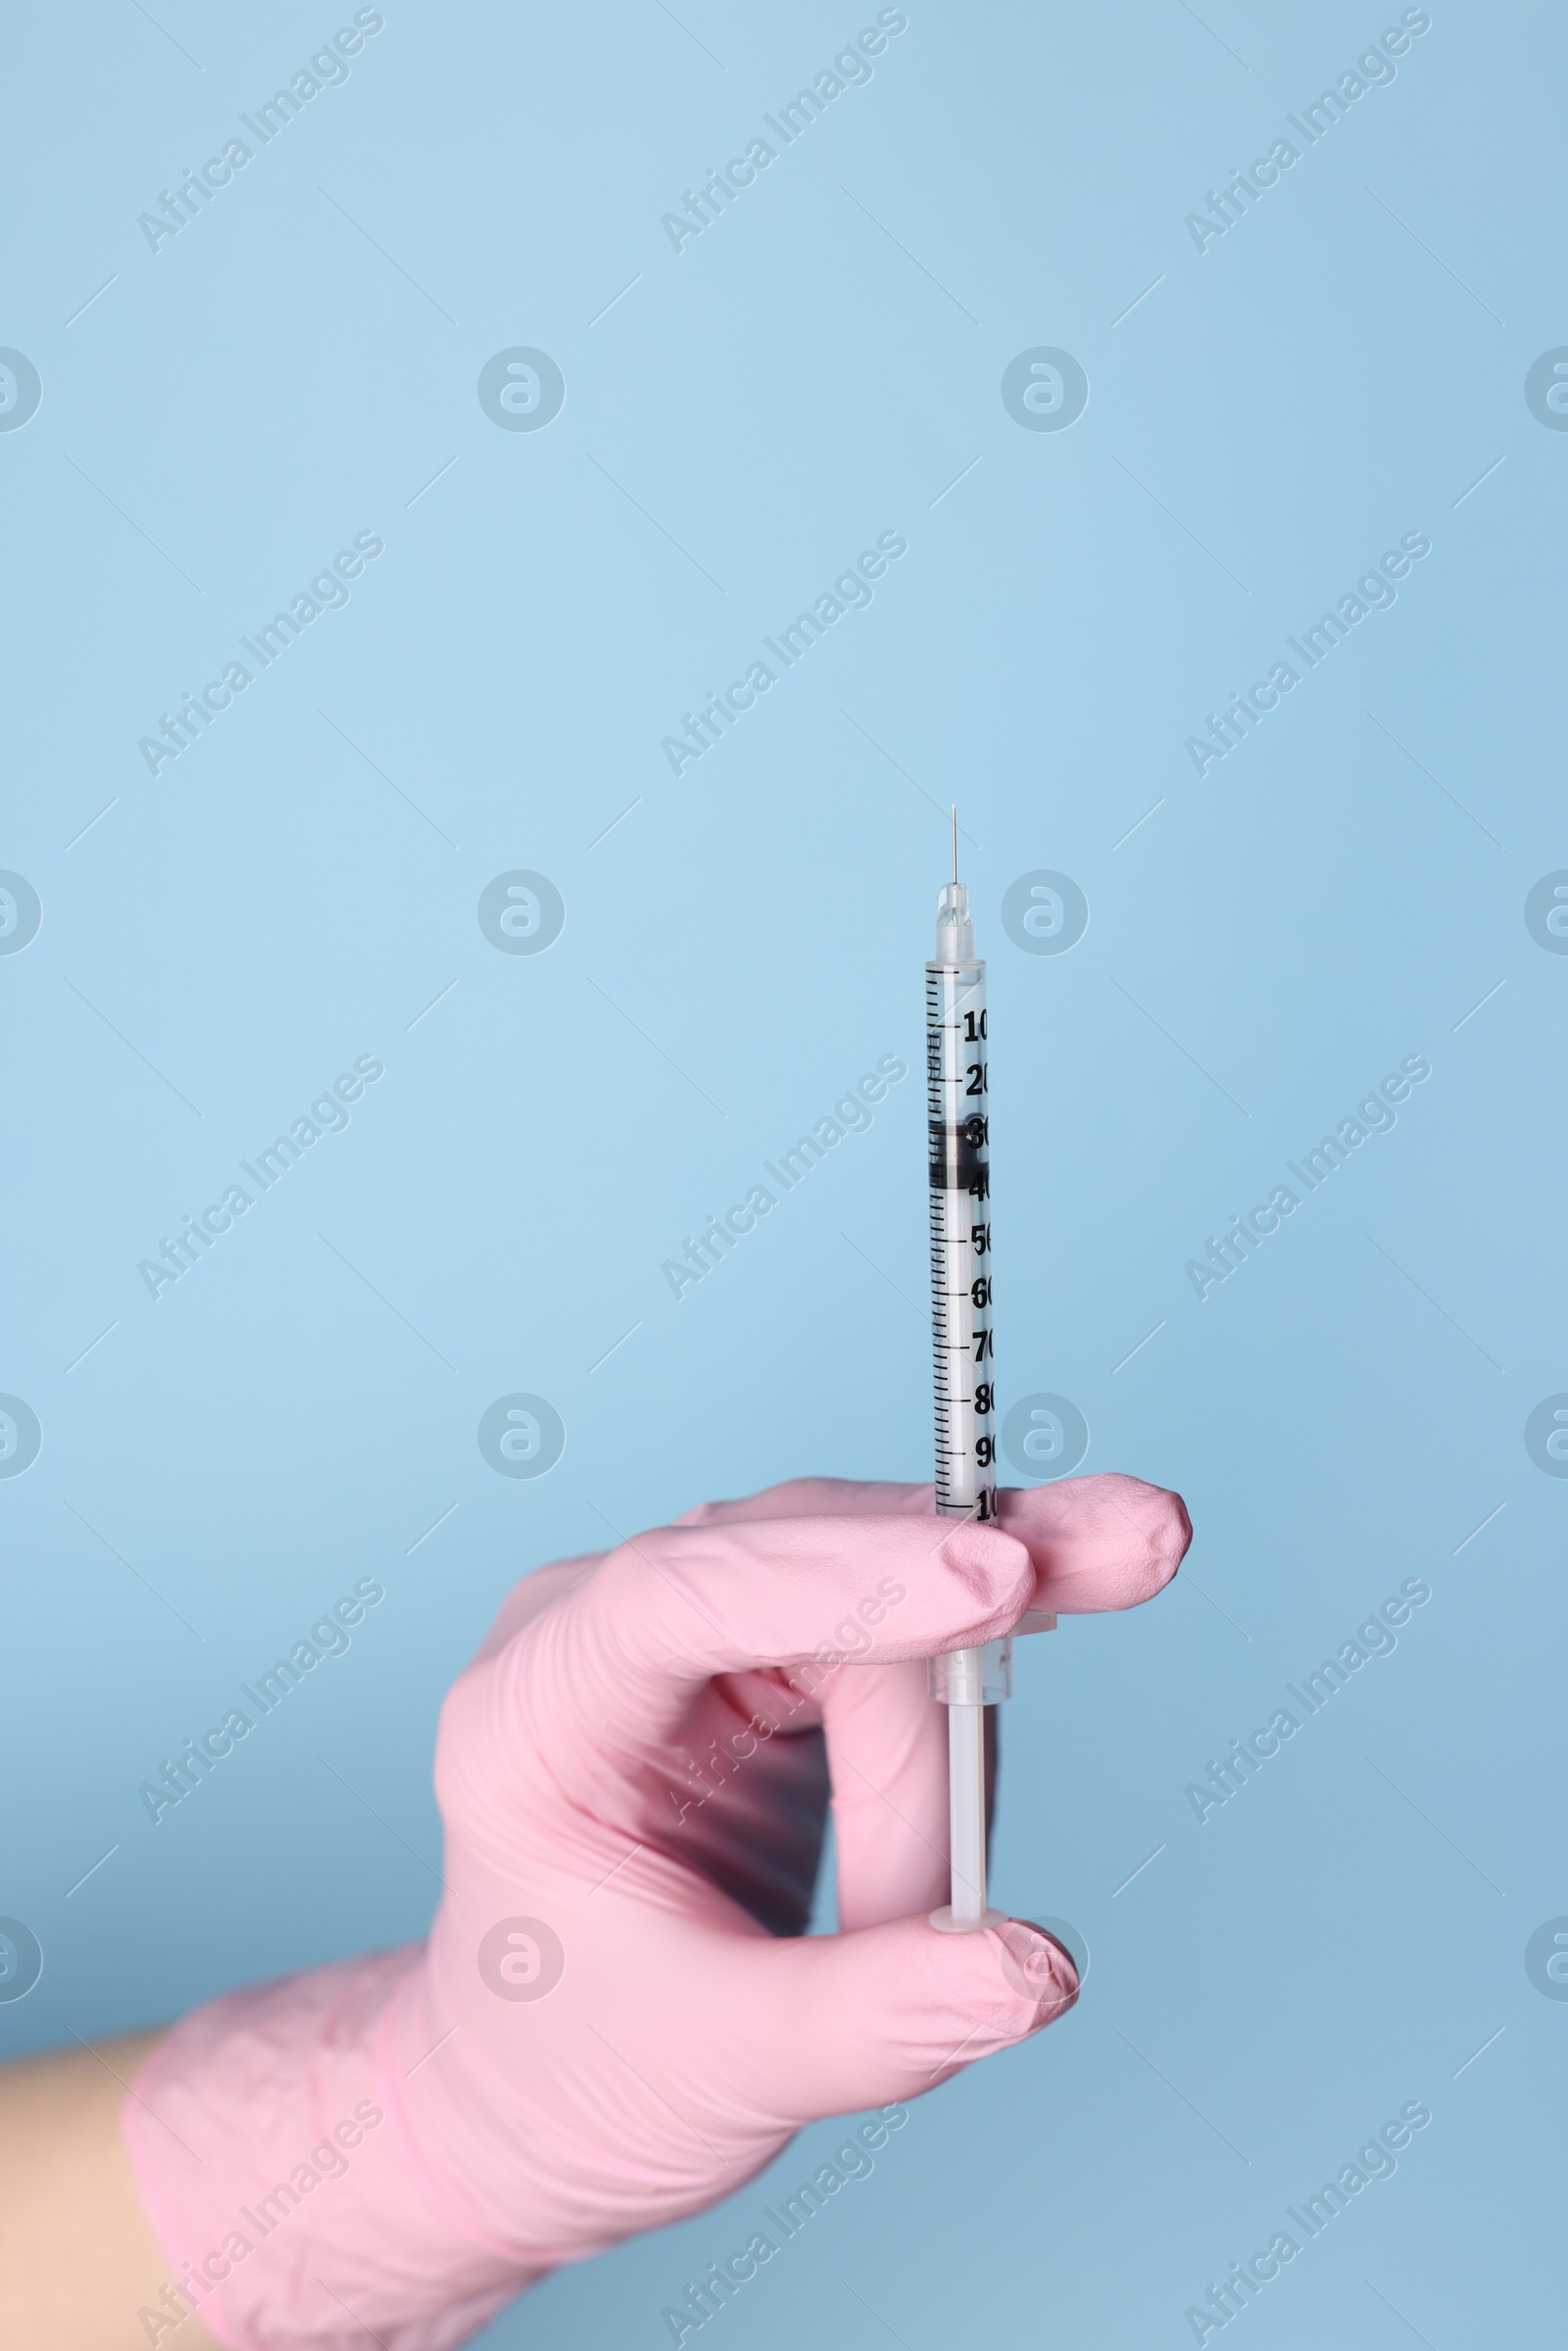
449 2121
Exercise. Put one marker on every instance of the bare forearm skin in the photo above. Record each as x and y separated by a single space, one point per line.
80 2267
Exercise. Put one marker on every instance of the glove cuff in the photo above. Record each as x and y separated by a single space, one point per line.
266 2137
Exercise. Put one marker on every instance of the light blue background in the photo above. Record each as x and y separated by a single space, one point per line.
818 368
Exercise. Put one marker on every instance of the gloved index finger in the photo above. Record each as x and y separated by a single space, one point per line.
1102 1541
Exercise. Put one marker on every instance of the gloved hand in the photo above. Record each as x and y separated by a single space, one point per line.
617 2019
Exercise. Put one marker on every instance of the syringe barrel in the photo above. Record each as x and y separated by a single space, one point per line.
962 1332
959 1170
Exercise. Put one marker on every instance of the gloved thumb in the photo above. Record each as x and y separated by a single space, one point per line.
867 2019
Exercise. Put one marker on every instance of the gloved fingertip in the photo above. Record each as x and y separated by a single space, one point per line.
892 2011
1037 1967
1099 1542
1009 1981
1174 1530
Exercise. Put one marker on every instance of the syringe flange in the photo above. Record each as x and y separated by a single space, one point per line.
948 1922
979 1677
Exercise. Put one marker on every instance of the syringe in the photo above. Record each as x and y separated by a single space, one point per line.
958 1116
